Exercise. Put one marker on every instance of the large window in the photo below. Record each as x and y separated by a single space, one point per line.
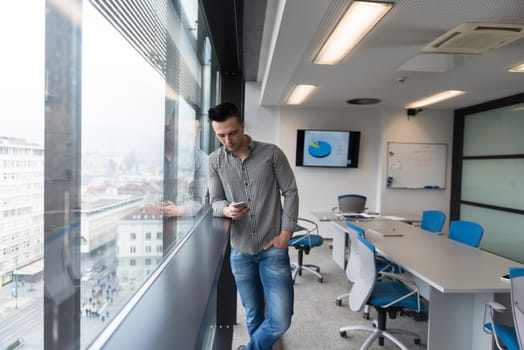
109 101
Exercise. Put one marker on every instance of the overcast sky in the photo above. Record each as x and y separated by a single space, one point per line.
122 95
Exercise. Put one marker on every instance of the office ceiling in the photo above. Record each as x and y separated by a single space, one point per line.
388 63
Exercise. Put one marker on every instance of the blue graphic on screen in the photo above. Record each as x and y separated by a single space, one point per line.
326 148
319 149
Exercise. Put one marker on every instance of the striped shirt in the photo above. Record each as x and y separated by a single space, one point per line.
260 180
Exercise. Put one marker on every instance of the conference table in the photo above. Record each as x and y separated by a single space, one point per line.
455 278
340 239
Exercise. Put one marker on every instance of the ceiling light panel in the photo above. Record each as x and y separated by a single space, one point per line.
300 93
358 20
441 96
519 68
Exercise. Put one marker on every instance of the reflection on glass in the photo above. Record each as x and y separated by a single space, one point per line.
144 175
21 173
122 151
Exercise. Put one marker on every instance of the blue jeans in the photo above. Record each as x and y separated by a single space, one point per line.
267 273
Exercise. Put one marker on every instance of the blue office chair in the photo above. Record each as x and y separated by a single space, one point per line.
353 265
351 203
389 294
466 232
305 237
508 337
432 220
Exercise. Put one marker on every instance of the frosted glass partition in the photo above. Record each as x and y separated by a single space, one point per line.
503 231
496 182
495 132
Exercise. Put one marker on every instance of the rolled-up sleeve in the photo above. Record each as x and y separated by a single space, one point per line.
288 187
217 196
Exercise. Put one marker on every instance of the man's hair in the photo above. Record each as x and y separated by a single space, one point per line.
224 111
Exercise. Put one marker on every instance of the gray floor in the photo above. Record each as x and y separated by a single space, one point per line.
317 318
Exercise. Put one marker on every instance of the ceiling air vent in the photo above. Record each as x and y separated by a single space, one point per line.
475 38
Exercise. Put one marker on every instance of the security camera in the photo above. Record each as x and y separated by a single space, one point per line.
411 112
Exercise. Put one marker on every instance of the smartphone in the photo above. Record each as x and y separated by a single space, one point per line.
505 277
239 204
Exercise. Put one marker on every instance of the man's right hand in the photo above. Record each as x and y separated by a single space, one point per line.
235 213
170 209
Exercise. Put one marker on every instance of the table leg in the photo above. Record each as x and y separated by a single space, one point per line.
339 247
455 321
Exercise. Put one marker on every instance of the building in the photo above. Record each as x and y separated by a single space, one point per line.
139 246
21 205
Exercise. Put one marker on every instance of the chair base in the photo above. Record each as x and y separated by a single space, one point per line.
340 297
416 337
314 269
374 336
365 314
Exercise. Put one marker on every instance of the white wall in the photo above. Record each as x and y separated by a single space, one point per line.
319 187
428 126
262 123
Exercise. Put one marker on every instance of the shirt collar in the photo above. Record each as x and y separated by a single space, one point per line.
250 145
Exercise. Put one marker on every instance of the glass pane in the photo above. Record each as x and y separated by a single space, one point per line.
494 181
503 233
122 171
22 29
503 125
144 174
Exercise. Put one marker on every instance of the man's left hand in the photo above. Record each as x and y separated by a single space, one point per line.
280 241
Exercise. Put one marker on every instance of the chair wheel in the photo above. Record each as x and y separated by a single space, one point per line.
338 302
365 315
343 334
416 341
321 279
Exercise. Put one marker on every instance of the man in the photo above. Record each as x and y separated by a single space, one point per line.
190 192
258 174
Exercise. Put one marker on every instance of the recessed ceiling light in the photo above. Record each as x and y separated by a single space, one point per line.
300 93
441 96
359 19
519 68
363 101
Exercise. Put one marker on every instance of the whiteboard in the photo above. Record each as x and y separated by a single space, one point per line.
416 165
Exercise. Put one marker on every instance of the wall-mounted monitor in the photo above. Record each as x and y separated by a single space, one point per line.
327 148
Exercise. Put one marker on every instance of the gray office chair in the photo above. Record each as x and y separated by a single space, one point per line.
351 203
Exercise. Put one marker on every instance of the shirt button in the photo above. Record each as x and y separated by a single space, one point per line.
246 183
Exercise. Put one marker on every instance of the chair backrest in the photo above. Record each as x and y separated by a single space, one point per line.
432 220
466 232
516 275
365 282
353 265
306 234
353 203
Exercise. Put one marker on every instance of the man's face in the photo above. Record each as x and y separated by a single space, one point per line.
230 133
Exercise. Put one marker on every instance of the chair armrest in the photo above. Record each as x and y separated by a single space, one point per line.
408 283
488 313
307 229
496 306
397 277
